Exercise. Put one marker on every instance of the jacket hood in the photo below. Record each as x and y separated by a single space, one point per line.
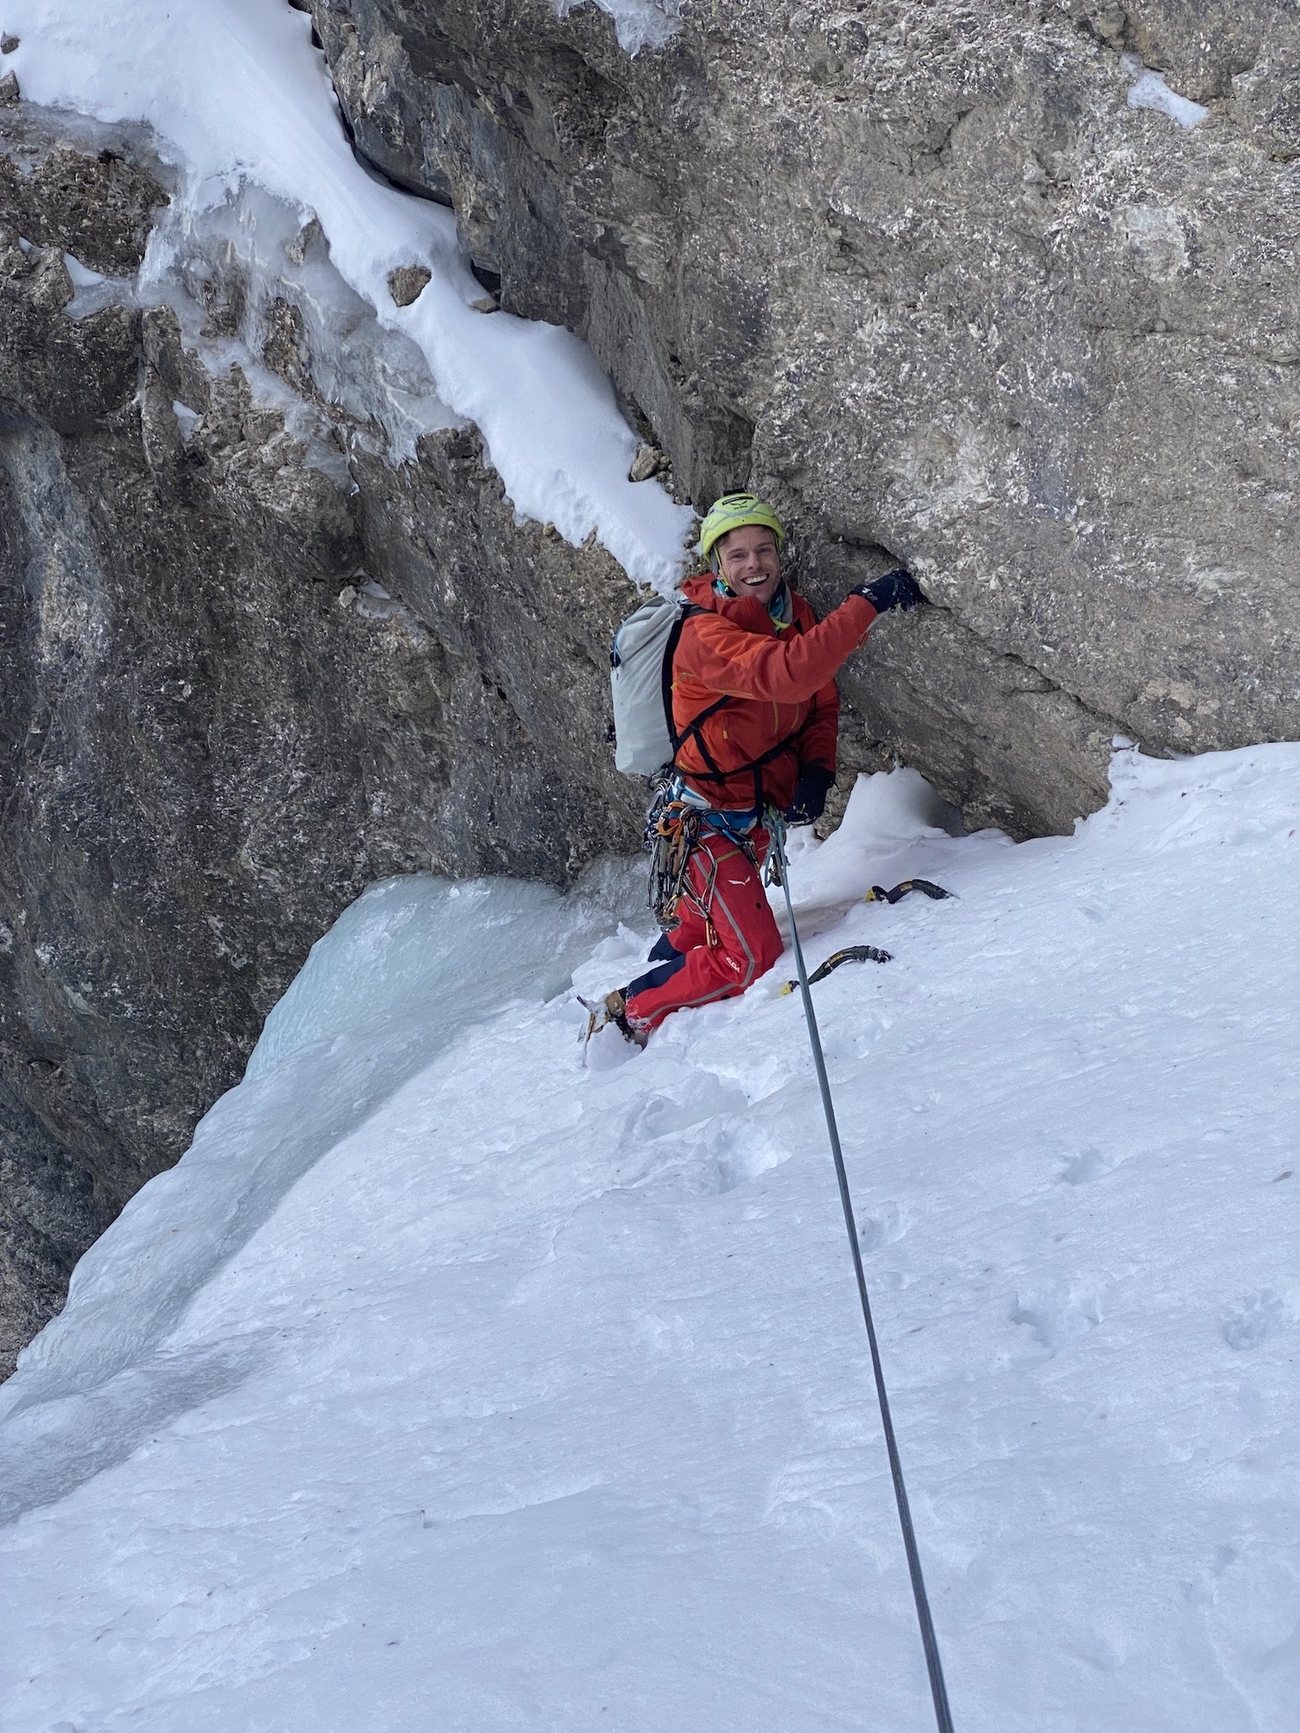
697 587
699 590
744 610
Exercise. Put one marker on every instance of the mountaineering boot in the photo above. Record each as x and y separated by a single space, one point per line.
613 1009
616 1012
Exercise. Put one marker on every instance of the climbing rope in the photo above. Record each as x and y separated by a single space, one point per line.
938 1691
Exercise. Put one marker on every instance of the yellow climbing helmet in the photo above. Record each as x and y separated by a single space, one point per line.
735 511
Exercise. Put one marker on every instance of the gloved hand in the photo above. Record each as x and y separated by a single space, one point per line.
810 795
897 589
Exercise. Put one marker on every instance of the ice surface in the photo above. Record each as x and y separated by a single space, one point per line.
411 964
442 954
92 290
1149 90
186 419
242 106
82 276
529 1395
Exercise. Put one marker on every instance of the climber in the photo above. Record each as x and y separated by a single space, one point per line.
756 715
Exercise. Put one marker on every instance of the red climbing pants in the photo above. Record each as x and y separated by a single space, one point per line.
727 937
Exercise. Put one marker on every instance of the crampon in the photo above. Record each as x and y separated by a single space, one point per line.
610 1009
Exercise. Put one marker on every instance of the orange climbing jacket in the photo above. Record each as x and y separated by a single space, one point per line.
754 704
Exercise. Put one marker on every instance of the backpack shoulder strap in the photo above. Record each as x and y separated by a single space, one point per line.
689 612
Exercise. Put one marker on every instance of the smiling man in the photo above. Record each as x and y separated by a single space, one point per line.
756 715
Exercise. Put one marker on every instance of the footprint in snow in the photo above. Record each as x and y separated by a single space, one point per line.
659 1128
734 1152
1088 1164
1254 1318
1062 1311
703 1096
704 1159
883 1227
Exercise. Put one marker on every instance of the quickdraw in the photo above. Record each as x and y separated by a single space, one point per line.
672 829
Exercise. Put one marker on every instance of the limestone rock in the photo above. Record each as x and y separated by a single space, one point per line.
535 617
921 273
407 282
649 460
78 370
205 757
93 203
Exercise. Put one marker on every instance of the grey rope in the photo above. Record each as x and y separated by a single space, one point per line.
938 1691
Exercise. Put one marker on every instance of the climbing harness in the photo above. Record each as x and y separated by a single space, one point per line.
850 954
671 837
938 1690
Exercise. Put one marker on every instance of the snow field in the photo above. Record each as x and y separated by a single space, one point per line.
539 1398
241 105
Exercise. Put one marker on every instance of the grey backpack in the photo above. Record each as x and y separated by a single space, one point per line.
641 679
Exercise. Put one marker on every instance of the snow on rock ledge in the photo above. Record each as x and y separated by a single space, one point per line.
238 98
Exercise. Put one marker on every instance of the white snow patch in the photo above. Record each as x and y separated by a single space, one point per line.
242 106
447 1382
638 24
1149 90
187 419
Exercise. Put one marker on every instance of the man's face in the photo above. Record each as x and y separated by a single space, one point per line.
750 562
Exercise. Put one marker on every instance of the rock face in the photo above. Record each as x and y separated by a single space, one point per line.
921 273
218 721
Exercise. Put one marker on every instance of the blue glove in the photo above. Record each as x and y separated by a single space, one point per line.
810 795
897 589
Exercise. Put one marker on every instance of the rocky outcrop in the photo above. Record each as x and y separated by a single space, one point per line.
921 272
218 719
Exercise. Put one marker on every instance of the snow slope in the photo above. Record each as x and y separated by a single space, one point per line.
240 100
535 1396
